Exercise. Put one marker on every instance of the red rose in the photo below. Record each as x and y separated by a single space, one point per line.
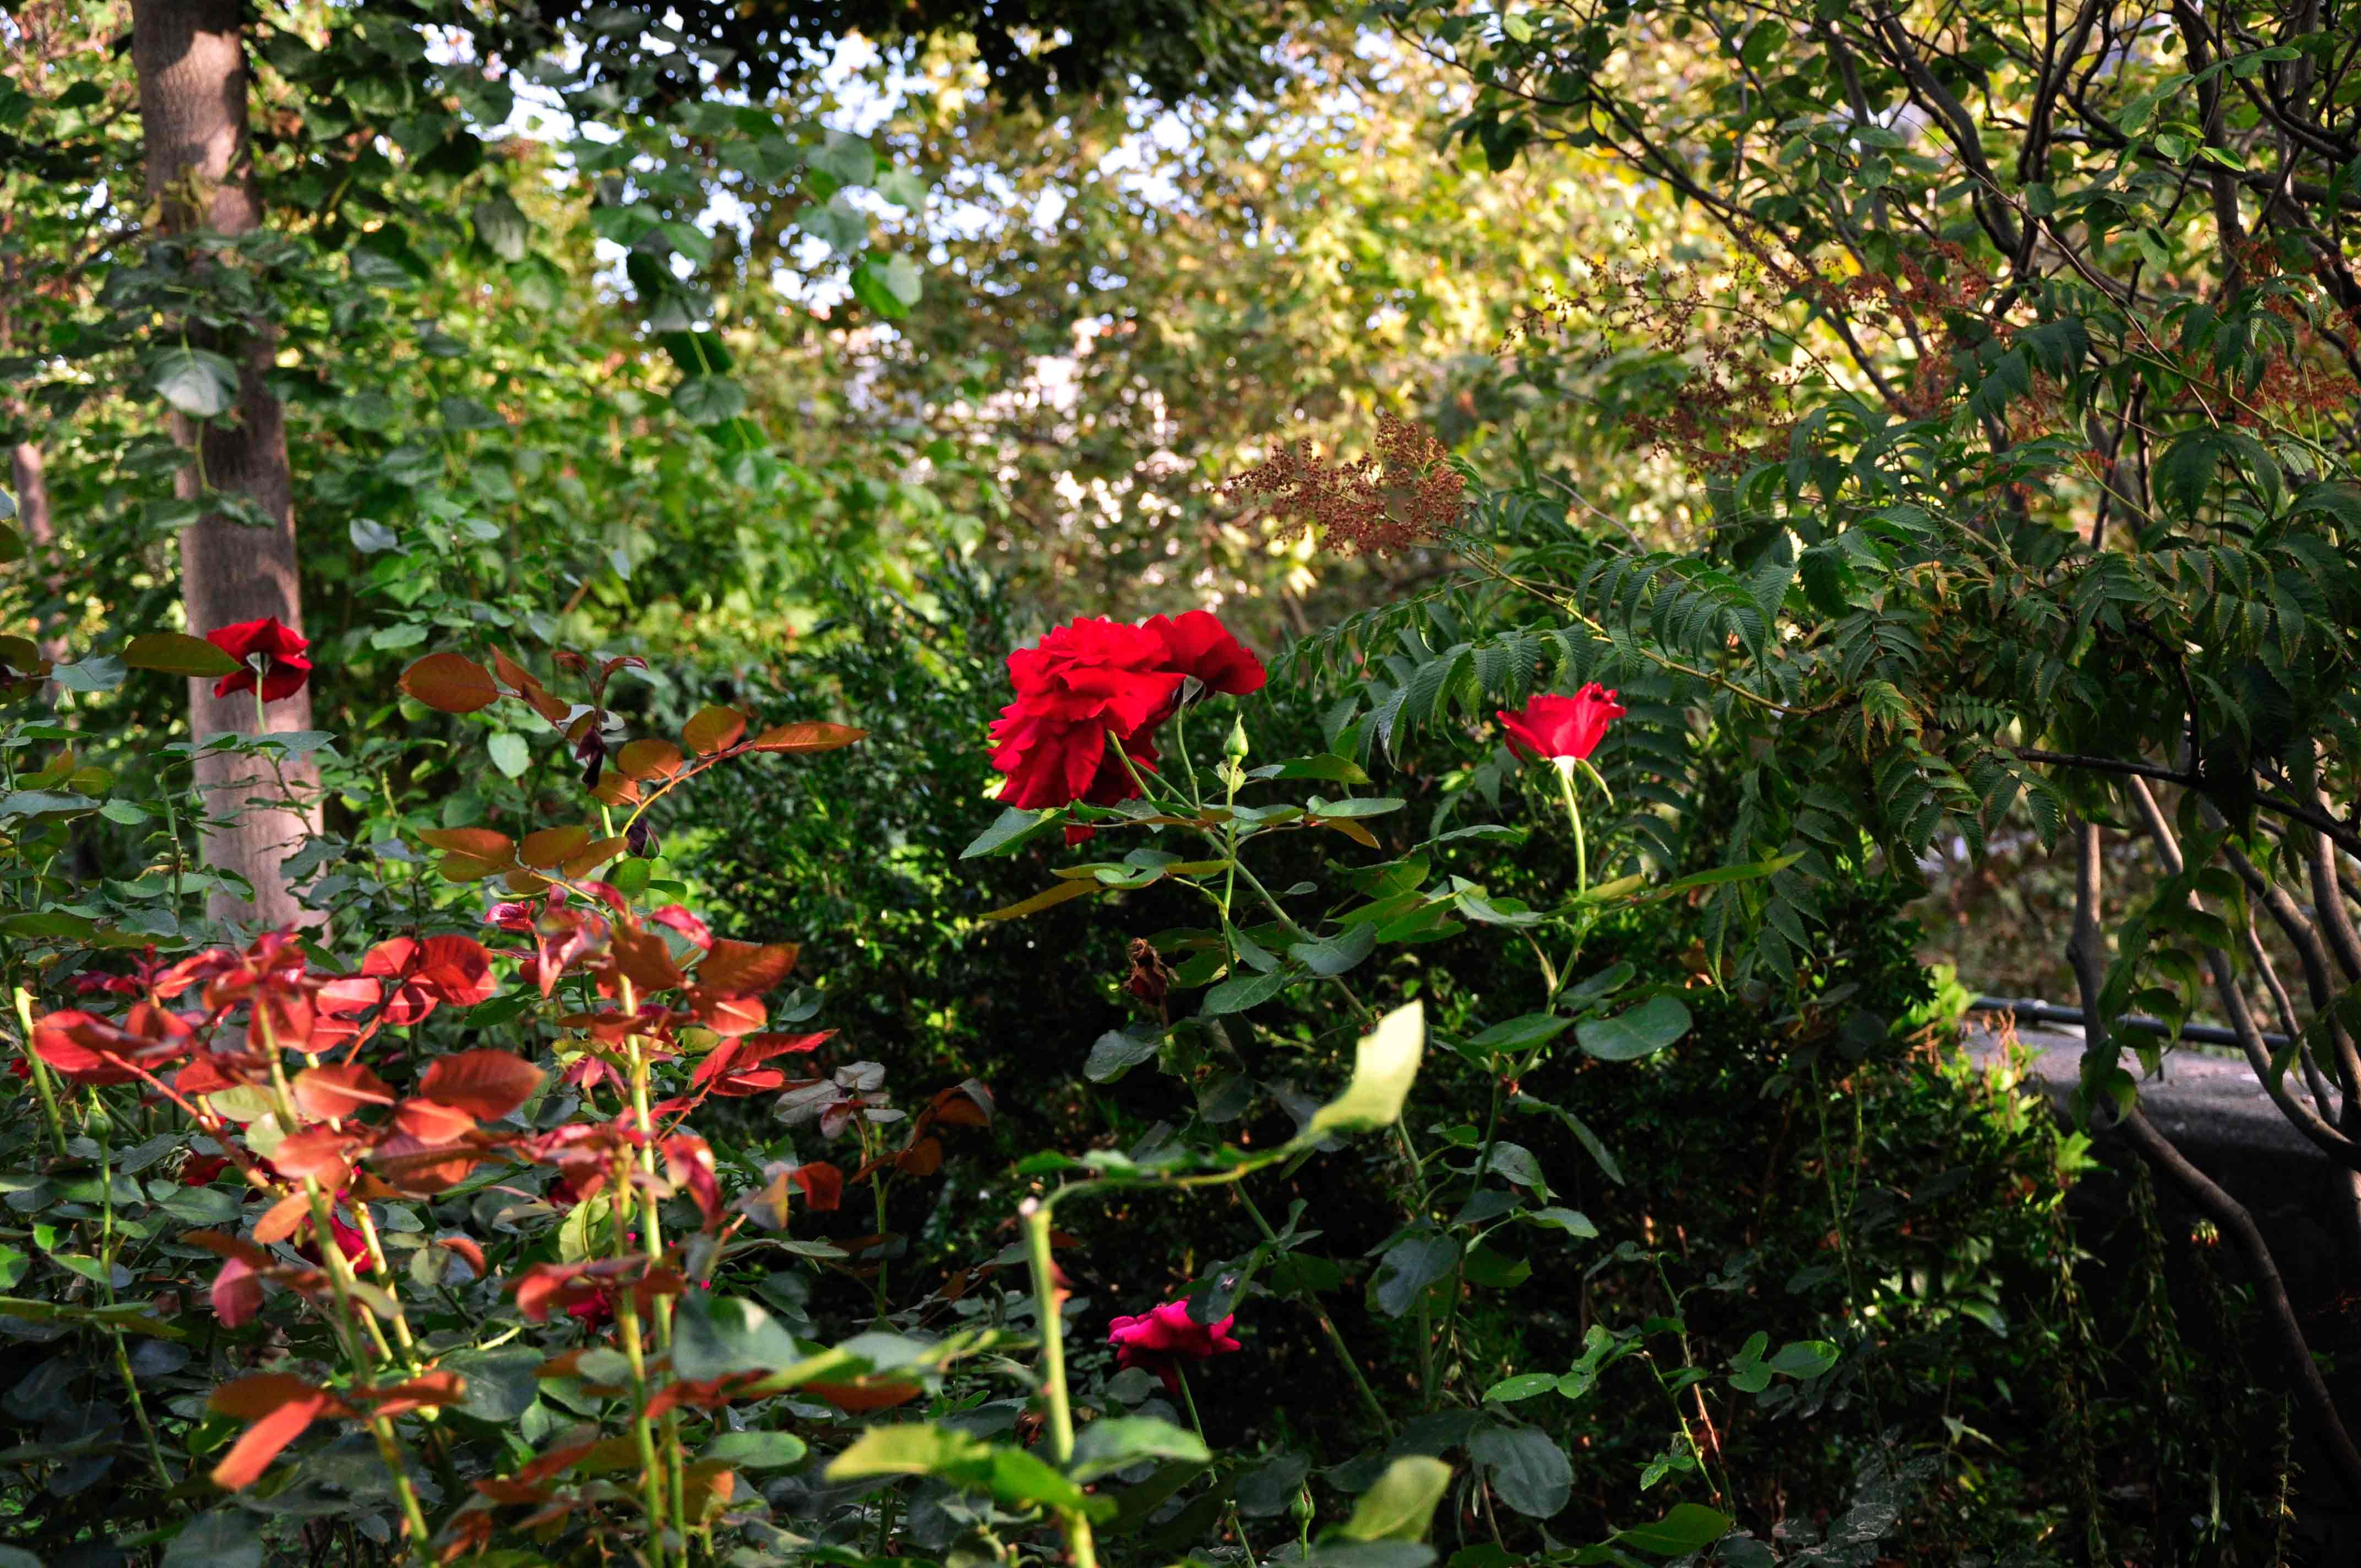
280 650
1161 1339
1556 726
593 1311
1093 679
349 1239
1200 645
1082 681
199 1169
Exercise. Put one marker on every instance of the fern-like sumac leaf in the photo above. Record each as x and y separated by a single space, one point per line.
1431 685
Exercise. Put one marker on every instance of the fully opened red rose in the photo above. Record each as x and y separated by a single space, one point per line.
279 649
1555 727
1093 684
1161 1339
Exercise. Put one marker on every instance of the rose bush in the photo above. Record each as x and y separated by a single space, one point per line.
399 1213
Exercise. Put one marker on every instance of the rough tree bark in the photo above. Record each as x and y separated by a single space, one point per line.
191 63
32 496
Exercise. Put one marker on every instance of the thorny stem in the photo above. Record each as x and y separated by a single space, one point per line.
877 1192
1839 1213
323 1233
651 1244
1188 1402
383 1272
1328 1324
101 1127
1034 1213
1364 1016
40 1068
1688 1435
627 1317
1483 1169
340 1282
1696 1390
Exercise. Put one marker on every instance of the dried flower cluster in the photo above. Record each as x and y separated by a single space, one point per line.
1405 494
1726 327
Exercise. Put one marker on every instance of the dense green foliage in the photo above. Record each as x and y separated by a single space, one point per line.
1935 426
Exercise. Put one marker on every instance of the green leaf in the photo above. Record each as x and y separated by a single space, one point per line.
1326 767
1014 828
1691 1527
1528 1472
1115 1053
722 1335
1401 1506
197 382
755 1450
370 537
848 159
93 674
1384 1065
1572 1222
510 753
1242 991
918 1448
501 225
889 287
1117 1442
2186 470
226 1537
1408 1268
1524 1385
1360 805
44 803
1521 1034
176 654
201 1206
1644 1031
708 400
500 1384
1331 956
1805 1358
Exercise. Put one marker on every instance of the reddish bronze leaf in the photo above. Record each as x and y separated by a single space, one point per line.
451 683
337 1091
648 757
807 736
323 1153
488 1085
550 846
745 969
481 843
712 730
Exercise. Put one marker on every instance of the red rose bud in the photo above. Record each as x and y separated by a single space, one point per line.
1552 726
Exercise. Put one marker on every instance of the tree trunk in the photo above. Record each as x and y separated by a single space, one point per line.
32 495
192 108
